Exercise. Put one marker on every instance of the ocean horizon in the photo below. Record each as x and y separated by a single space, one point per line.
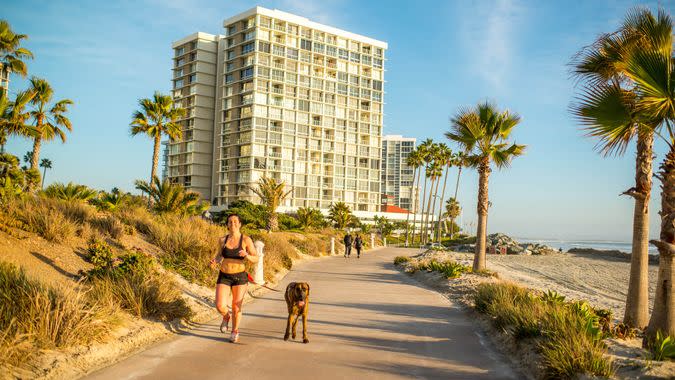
595 244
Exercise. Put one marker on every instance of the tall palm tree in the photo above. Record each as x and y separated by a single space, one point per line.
171 197
434 173
46 163
460 162
424 150
602 68
158 116
271 194
447 159
414 160
48 118
340 214
430 152
14 116
482 132
12 55
610 110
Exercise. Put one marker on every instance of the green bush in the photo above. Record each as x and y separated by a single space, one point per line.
663 347
100 255
398 260
449 268
570 334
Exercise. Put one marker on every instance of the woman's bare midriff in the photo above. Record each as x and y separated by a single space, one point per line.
230 266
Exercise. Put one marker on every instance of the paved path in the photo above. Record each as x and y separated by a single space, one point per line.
367 320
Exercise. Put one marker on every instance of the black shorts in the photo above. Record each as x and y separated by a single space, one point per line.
233 279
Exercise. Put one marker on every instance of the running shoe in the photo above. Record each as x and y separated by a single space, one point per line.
224 324
234 337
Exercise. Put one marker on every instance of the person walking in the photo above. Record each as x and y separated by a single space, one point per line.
358 244
348 244
233 248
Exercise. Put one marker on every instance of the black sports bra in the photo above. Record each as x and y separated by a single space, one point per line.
232 253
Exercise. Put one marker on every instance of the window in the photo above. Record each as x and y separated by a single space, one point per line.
278 50
343 54
230 54
264 47
192 78
319 48
249 47
231 30
377 62
331 51
249 35
305 44
180 51
180 62
178 83
355 57
247 73
292 53
377 85
342 77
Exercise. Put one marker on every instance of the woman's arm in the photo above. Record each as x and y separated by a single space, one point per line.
218 253
251 254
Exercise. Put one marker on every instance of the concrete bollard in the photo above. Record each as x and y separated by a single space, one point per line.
332 246
259 277
384 242
372 241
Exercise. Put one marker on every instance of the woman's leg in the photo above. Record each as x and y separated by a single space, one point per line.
222 292
238 293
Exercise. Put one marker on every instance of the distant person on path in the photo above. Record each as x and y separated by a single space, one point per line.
358 244
233 248
348 244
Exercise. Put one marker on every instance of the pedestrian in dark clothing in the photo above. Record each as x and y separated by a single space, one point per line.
348 244
358 244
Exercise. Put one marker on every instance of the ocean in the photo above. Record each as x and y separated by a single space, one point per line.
596 244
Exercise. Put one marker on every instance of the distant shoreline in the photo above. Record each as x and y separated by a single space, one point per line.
600 245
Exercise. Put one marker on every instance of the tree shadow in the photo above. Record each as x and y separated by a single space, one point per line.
53 264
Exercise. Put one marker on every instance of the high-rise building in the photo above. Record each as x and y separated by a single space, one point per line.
284 97
4 78
397 176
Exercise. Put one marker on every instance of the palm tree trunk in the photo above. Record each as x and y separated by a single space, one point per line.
452 220
273 223
440 208
483 177
416 206
426 212
663 316
407 218
37 144
44 173
637 300
424 198
155 157
433 210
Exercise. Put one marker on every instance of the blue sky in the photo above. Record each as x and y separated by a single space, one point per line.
442 56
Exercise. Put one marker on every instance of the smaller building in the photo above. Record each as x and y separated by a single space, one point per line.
397 176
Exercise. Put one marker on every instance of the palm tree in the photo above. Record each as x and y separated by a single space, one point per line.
603 67
414 160
110 201
170 197
46 164
447 159
70 192
424 155
12 56
482 133
157 116
48 118
13 116
460 162
340 214
271 194
309 217
609 111
452 210
434 173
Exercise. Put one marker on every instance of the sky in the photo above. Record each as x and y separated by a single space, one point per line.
442 55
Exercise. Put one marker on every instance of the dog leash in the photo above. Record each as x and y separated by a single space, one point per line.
250 279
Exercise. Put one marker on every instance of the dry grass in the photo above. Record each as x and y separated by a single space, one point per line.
568 335
138 217
144 295
35 317
109 225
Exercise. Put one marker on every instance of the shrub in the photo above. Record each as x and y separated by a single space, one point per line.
553 297
69 192
145 295
398 260
51 225
449 268
42 317
137 217
109 225
100 255
663 347
570 333
623 331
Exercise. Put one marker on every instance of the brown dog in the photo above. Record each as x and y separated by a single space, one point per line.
297 300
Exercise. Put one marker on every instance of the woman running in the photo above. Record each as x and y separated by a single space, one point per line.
233 248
